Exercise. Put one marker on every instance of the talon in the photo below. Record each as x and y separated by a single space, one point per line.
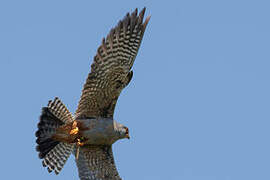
74 129
79 143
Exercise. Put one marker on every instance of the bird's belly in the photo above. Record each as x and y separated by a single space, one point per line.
98 136
97 131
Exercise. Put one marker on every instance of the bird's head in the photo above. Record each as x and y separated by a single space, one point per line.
123 131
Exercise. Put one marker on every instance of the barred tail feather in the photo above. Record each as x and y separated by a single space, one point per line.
54 153
46 128
57 157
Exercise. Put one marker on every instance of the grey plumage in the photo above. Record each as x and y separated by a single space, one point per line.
93 129
110 73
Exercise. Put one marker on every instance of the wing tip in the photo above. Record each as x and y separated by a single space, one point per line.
146 21
131 19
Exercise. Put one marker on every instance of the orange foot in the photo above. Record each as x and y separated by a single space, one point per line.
74 129
79 143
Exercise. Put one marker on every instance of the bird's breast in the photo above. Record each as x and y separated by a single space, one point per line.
97 131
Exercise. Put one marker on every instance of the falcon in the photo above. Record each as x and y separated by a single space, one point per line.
91 131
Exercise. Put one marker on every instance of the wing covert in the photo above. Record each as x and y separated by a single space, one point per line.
111 69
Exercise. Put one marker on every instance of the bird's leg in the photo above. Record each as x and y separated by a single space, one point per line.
78 145
77 151
79 140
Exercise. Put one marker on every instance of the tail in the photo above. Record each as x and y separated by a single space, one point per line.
54 153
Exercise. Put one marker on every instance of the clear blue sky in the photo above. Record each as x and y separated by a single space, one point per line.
198 104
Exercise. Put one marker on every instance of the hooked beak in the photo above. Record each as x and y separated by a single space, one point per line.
127 133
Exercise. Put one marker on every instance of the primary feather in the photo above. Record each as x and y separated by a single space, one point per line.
94 125
110 71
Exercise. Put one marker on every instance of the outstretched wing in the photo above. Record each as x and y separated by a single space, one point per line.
96 162
111 69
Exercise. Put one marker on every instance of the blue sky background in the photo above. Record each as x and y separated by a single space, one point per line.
197 107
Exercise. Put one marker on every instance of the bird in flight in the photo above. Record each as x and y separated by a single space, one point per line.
90 133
